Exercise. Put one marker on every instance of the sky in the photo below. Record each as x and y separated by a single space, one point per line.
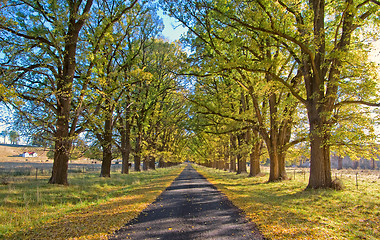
173 29
375 54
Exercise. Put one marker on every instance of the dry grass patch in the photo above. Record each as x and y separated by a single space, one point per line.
90 208
285 210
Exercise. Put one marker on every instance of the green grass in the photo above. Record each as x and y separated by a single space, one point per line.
285 210
89 208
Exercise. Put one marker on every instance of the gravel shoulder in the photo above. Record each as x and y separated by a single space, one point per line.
191 208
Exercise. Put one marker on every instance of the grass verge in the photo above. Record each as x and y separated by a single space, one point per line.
285 210
89 208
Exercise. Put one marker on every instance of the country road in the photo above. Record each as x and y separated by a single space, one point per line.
191 208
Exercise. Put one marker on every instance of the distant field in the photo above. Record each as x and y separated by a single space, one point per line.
285 210
11 153
12 165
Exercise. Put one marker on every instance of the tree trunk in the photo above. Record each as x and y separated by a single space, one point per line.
320 169
107 147
277 171
255 159
125 161
273 146
145 163
322 94
274 173
125 147
282 166
241 162
373 164
161 162
61 161
62 136
238 159
320 166
226 158
355 164
107 160
152 163
232 153
340 163
137 157
244 164
220 164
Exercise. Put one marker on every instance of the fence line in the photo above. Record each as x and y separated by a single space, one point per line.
357 178
31 172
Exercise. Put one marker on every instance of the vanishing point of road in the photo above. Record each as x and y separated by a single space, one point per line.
191 208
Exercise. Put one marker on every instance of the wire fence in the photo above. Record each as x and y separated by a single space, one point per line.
357 178
11 173
20 172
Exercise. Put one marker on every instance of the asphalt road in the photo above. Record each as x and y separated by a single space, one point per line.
191 208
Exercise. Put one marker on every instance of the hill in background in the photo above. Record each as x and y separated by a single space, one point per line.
12 153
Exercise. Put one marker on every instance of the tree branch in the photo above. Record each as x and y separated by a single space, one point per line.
359 102
278 79
36 38
213 112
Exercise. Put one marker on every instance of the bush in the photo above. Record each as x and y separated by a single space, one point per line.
337 184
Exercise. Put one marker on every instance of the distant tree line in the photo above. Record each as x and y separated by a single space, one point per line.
14 137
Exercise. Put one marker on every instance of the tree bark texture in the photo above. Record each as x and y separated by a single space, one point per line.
61 160
254 157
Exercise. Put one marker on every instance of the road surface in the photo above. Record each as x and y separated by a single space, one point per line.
191 208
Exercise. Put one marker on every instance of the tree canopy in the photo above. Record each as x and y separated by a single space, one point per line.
262 78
